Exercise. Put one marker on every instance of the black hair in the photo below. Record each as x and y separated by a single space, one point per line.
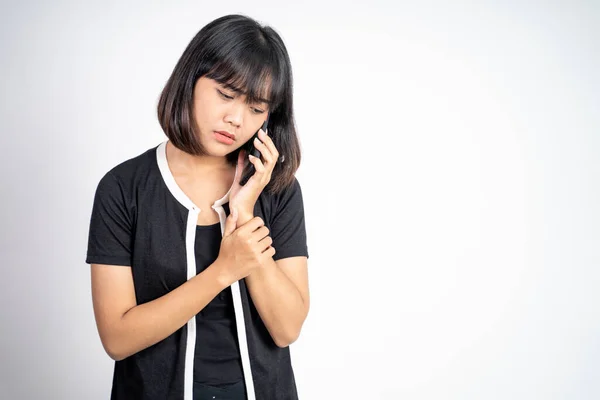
248 58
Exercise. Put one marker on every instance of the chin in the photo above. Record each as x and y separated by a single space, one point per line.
221 152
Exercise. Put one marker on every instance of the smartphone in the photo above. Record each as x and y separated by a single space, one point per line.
250 149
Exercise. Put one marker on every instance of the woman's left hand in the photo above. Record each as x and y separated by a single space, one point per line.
244 197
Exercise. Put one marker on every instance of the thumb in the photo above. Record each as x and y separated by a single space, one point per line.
230 222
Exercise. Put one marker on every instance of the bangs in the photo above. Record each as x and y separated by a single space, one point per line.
255 75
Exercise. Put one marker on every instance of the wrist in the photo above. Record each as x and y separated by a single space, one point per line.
221 276
243 217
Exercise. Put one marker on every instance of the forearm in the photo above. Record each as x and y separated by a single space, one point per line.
278 302
148 323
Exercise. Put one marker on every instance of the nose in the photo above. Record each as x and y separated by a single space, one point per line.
235 114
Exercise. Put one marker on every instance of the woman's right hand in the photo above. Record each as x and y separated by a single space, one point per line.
245 248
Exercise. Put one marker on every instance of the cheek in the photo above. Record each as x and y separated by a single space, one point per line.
204 114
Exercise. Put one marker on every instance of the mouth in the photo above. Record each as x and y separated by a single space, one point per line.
227 134
220 137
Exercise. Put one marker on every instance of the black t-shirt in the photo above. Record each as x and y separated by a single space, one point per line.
217 358
143 220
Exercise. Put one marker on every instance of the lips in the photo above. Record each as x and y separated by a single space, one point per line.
225 133
223 139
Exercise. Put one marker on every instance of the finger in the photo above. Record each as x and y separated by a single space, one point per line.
268 142
230 222
252 225
269 252
265 151
258 165
260 233
265 243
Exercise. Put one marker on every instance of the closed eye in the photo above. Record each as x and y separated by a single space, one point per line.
224 95
255 110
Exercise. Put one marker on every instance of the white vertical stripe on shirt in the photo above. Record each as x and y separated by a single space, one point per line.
190 347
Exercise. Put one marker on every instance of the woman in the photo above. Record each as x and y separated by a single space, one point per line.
199 283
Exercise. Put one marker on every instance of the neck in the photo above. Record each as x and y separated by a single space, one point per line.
182 161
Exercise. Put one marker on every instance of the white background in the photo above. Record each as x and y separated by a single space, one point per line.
450 176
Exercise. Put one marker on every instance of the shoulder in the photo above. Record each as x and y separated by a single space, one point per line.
131 168
293 192
122 185
289 197
128 174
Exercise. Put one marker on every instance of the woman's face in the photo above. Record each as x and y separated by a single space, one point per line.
217 108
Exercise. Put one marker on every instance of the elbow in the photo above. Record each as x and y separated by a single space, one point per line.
283 343
112 349
284 340
114 353
116 356
288 336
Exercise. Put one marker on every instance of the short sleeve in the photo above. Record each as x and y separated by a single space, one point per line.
288 229
110 232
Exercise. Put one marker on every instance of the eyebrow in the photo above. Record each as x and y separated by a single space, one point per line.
239 91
